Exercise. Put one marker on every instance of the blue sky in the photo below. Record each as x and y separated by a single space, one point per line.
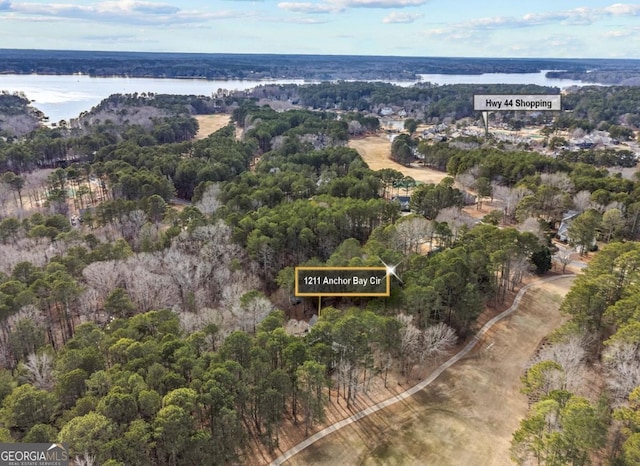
471 28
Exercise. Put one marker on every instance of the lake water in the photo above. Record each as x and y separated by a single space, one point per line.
65 97
501 78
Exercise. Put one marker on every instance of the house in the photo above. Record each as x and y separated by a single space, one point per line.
563 229
585 145
404 202
469 199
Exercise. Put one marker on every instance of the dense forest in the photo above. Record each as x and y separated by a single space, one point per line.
588 108
446 100
17 116
142 329
257 66
623 73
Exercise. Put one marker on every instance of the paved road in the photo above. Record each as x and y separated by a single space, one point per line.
416 388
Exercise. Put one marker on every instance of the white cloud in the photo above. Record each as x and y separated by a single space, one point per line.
308 7
633 32
622 9
306 21
120 11
397 17
117 39
575 16
337 6
565 43
383 3
617 34
130 6
455 35
451 34
562 45
292 20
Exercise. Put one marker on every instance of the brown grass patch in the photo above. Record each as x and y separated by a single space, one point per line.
375 150
210 124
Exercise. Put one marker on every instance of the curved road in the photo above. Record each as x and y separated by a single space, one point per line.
416 388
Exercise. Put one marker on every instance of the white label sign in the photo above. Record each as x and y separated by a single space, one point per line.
522 102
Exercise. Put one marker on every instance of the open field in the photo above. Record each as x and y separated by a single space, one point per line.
468 414
376 150
210 124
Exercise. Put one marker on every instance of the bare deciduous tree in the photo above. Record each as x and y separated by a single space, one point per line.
519 268
194 277
210 201
254 307
344 373
417 346
437 340
558 180
103 276
39 370
355 128
90 306
564 257
409 344
5 198
571 355
623 361
385 362
200 261
412 233
149 290
37 252
85 459
510 197
582 201
466 180
456 218
532 225
131 225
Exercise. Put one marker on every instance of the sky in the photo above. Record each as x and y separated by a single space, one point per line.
459 28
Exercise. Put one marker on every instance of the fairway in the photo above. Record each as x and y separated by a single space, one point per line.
376 152
467 416
210 124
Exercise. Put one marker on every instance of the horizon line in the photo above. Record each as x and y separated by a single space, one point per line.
3 49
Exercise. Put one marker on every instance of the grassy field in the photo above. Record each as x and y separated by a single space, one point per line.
210 124
467 416
376 151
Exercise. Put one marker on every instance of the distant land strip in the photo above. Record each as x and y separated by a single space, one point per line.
312 67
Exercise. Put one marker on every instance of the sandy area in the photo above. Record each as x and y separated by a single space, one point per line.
375 150
468 415
210 124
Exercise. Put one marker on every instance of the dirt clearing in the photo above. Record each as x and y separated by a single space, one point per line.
467 416
376 151
210 124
